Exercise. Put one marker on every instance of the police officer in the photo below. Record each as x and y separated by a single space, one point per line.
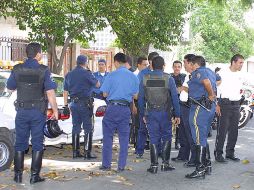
201 93
228 109
100 75
31 80
179 79
119 87
142 131
78 84
186 141
158 92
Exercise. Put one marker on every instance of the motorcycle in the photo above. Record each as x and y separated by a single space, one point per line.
246 113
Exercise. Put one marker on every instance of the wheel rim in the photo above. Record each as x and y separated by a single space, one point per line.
4 154
243 116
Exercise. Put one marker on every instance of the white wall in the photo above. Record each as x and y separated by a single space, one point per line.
8 28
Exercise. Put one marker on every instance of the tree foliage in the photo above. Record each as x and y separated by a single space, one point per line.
220 31
139 23
56 23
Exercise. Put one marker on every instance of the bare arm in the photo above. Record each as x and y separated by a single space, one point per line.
208 86
65 96
98 84
52 100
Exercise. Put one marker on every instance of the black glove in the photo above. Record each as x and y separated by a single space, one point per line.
66 110
208 103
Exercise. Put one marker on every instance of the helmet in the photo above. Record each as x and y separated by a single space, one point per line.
52 129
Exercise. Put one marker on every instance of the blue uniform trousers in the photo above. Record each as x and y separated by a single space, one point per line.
116 118
159 126
81 117
185 137
26 122
200 121
142 136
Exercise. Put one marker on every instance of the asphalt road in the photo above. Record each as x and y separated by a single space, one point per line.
64 173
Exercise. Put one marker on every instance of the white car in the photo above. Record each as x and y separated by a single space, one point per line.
7 119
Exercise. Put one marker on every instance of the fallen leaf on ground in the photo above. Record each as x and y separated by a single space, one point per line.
129 168
245 161
236 186
127 183
76 169
51 174
96 174
2 186
121 178
136 161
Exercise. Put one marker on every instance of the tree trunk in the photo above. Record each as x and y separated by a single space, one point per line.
57 62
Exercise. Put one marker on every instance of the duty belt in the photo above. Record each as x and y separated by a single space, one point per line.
40 104
80 99
119 102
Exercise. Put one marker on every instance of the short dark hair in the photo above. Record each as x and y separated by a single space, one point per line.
177 61
189 57
199 60
121 58
141 59
32 49
236 57
129 60
152 55
158 63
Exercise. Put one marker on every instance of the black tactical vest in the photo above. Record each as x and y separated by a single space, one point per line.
30 87
157 94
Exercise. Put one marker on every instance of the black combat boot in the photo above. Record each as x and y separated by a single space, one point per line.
208 164
76 146
166 150
18 166
200 161
36 167
154 159
88 141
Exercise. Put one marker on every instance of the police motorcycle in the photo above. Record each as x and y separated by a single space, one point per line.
246 112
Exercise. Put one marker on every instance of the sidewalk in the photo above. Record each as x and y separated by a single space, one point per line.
64 173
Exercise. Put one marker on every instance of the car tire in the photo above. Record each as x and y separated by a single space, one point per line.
244 118
6 151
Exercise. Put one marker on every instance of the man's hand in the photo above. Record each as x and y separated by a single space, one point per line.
177 120
66 110
218 112
134 109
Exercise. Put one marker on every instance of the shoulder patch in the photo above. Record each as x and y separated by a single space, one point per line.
198 75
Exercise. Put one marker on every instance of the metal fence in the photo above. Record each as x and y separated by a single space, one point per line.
12 49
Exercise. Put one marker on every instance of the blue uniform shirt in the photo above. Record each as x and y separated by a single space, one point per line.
121 84
179 79
101 79
144 72
172 89
196 88
79 82
33 64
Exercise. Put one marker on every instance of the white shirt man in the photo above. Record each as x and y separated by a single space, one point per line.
228 109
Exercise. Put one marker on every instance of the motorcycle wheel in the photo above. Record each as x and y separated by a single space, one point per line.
244 117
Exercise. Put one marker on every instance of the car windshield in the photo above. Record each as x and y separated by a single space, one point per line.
5 75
